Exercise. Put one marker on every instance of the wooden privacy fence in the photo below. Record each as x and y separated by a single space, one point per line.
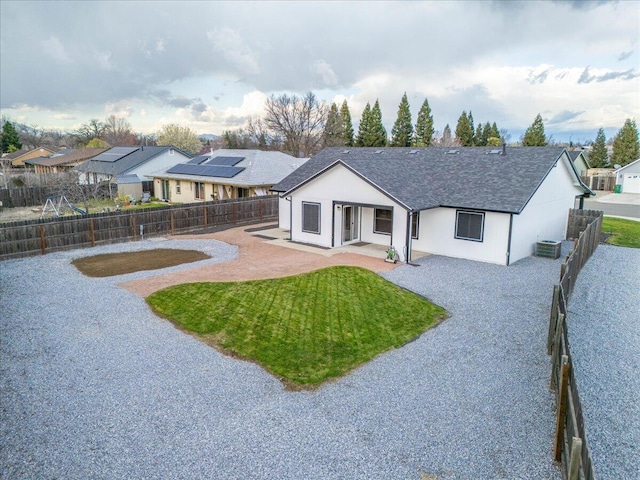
26 238
570 445
33 196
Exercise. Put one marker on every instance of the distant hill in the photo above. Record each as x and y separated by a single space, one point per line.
208 136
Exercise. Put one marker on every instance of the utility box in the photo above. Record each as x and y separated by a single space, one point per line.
548 249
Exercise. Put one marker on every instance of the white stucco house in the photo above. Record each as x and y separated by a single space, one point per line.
628 177
483 204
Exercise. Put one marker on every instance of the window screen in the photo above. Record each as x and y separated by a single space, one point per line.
470 226
311 217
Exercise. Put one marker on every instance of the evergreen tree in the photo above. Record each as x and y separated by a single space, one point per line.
625 144
402 132
598 154
494 131
534 135
471 125
378 132
347 127
364 127
477 137
486 132
333 133
10 140
424 126
464 131
447 139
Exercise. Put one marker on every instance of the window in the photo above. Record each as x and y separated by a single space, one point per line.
178 187
199 190
311 217
382 221
414 225
470 225
243 192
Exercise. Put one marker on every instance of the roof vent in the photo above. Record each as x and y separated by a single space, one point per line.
451 152
346 151
494 152
413 152
378 152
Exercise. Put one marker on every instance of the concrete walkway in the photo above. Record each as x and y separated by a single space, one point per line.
263 252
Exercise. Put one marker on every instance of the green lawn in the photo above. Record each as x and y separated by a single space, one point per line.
305 328
625 233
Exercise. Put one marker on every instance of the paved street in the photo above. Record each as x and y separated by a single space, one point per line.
616 204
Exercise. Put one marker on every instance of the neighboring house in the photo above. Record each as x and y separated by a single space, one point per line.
628 178
18 158
475 202
225 173
580 162
126 162
63 160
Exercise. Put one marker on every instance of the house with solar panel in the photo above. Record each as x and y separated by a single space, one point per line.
130 167
224 174
478 203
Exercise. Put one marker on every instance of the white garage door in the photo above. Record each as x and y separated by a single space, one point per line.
631 183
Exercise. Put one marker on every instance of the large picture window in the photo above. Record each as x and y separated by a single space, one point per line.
470 225
311 217
383 221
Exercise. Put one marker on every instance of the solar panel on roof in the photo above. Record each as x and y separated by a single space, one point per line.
197 160
114 154
230 161
222 171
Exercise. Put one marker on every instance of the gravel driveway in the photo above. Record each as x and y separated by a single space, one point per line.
95 386
604 337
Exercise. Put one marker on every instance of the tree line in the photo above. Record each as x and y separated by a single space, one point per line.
113 131
303 125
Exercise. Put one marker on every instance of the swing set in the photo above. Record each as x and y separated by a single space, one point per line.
61 209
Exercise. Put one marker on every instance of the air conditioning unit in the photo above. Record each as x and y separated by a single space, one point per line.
548 249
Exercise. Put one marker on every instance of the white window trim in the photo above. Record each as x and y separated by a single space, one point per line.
375 221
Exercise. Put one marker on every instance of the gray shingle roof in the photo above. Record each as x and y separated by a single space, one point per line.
260 168
127 162
430 177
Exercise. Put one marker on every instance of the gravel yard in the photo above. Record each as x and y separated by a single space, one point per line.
95 386
604 337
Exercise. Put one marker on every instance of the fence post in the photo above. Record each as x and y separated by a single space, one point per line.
171 224
576 459
43 242
553 318
132 218
555 350
204 211
562 408
92 233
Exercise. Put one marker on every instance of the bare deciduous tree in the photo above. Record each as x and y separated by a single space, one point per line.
117 131
300 121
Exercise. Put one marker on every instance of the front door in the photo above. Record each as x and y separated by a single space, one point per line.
165 190
349 223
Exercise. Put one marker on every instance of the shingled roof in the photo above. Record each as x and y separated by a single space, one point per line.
421 178
126 159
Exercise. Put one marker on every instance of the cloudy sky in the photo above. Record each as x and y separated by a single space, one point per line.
210 65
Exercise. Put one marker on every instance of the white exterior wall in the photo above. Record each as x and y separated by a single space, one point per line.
437 230
545 216
343 186
284 213
629 177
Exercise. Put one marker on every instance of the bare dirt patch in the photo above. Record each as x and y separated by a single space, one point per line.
110 264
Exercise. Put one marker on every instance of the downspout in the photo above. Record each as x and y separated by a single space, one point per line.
581 202
509 240
288 199
333 224
408 244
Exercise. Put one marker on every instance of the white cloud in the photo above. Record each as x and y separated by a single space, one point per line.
230 44
63 116
325 72
53 47
160 46
119 109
